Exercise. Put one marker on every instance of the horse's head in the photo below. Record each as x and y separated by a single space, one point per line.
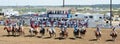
5 28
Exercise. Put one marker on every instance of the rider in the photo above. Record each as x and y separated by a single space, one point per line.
76 28
31 24
20 23
52 30
98 30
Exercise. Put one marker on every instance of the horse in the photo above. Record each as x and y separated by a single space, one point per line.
15 31
42 31
98 35
82 32
20 31
8 29
76 33
64 34
113 34
33 31
51 32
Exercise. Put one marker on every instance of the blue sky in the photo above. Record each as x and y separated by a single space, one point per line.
54 2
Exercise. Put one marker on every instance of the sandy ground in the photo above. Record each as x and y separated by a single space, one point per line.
88 39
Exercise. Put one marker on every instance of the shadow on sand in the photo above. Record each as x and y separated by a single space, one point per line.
29 36
46 37
71 38
10 35
59 38
109 40
93 40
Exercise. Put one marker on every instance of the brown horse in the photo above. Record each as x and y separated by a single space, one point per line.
98 35
8 29
113 34
12 29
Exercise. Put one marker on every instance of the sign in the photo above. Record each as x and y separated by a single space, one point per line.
58 15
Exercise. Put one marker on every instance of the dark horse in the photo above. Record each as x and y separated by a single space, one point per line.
113 34
76 33
42 31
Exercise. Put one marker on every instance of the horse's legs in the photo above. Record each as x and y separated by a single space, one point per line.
98 37
8 33
113 38
31 32
54 34
13 32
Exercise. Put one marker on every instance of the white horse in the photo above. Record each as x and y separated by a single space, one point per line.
51 31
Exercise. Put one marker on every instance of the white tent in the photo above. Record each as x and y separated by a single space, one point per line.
9 12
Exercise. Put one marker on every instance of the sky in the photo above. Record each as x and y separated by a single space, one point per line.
54 2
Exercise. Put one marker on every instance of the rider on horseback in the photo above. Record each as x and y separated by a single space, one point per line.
76 30
63 32
52 30
113 33
98 33
20 25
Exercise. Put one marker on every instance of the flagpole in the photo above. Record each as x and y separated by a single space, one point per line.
63 3
111 12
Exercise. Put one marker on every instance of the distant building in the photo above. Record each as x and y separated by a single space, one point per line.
10 12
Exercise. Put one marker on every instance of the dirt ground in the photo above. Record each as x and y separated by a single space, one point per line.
88 39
